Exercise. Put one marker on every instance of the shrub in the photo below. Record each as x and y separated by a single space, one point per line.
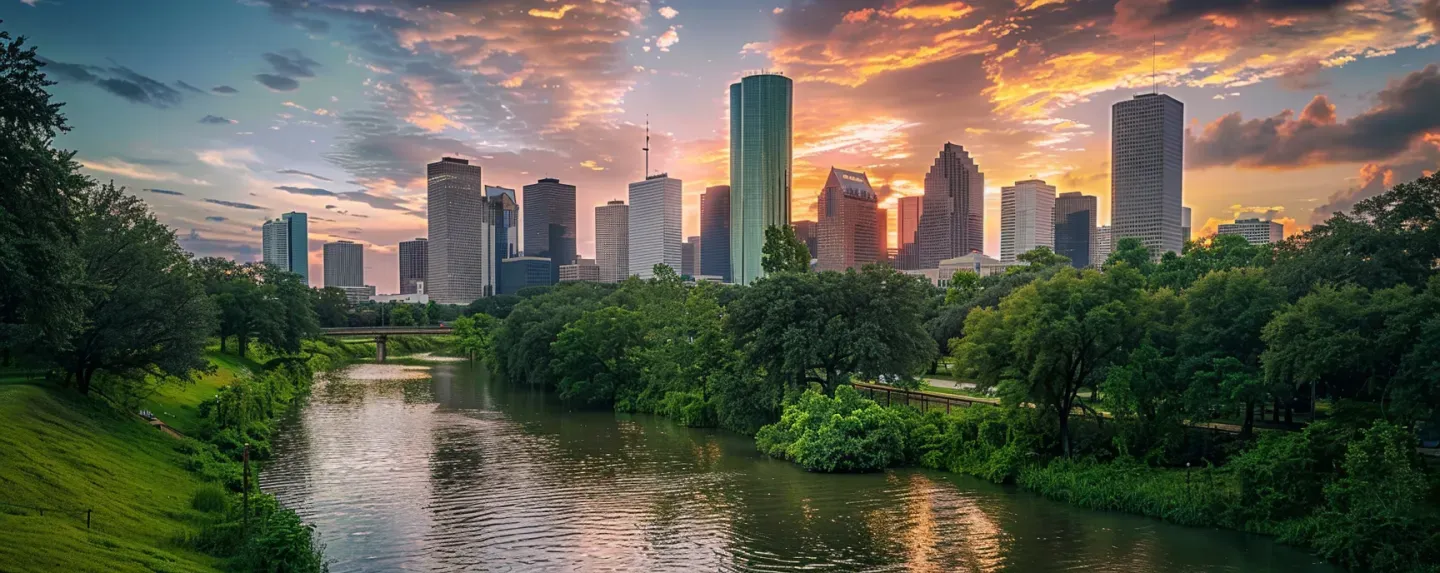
1279 478
689 409
211 498
1193 497
846 433
985 441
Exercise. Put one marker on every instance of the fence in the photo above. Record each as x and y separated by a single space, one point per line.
54 511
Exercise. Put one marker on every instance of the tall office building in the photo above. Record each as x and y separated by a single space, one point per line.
808 232
715 232
1027 218
848 234
760 154
953 221
908 227
285 243
1184 224
414 261
612 241
1102 245
1075 227
655 235
461 250
1147 145
344 264
1256 231
550 223
690 257
505 216
882 235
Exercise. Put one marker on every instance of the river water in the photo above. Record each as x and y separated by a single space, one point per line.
441 468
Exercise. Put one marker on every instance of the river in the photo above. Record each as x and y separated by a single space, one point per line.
442 468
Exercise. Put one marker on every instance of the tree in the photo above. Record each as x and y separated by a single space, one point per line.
1146 391
40 297
1042 256
1220 339
783 252
145 310
1215 253
522 342
332 307
260 302
474 335
1054 338
401 315
592 359
964 285
1133 253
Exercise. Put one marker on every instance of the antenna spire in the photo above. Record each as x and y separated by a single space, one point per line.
646 149
1154 88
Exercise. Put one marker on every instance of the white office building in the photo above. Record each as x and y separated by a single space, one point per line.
1103 245
1256 231
1027 218
1146 150
612 241
655 218
460 251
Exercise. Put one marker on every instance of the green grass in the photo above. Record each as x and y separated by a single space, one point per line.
179 406
60 450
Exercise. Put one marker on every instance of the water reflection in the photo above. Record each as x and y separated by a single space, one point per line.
457 472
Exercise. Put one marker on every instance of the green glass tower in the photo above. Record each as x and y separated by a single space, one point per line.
760 153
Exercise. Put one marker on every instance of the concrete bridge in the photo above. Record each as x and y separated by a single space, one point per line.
381 333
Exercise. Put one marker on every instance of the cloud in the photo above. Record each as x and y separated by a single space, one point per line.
122 168
289 67
668 38
1377 177
164 191
312 191
224 90
554 14
217 120
1404 113
119 81
668 13
303 174
232 158
187 87
216 219
376 201
234 204
277 83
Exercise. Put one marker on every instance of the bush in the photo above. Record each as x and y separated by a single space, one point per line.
846 433
1280 478
1201 496
984 441
688 408
211 498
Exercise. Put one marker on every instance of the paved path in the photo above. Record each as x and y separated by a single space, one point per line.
951 384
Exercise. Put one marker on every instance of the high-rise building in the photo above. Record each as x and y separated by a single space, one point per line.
1027 218
715 232
808 232
655 219
760 154
1075 216
1255 231
1147 144
460 252
523 272
612 241
882 235
285 243
1102 245
908 223
550 223
344 264
848 234
953 221
1185 224
414 260
690 257
582 269
505 216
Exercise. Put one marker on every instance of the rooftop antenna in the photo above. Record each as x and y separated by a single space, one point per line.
646 149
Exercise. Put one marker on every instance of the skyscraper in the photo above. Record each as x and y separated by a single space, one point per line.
344 264
848 234
882 235
505 215
1102 245
1027 218
715 232
461 250
1255 231
655 235
1075 227
908 223
690 257
1147 144
760 154
285 243
612 241
550 223
953 221
1184 224
808 232
414 261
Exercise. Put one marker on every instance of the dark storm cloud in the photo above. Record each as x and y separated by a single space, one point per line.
292 63
1405 111
277 83
164 191
118 80
312 191
303 173
216 120
224 90
234 204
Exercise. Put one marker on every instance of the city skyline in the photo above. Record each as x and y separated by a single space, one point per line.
295 114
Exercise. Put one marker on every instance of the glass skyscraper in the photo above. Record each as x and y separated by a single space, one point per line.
285 243
760 153
1075 231
715 232
1147 146
550 223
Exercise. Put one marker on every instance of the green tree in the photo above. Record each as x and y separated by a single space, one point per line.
1146 391
1042 256
964 285
592 359
40 187
783 252
474 335
1054 338
1216 253
332 307
402 315
145 310
1133 253
1220 339
259 302
522 341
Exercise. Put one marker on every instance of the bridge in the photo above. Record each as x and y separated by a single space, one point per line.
382 333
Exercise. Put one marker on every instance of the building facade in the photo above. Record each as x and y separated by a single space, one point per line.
522 272
953 222
344 264
690 257
414 257
655 219
460 253
505 216
549 227
849 237
1255 231
1147 147
1185 224
1027 218
907 234
808 232
582 269
612 241
761 132
285 243
715 232
1103 243
1075 216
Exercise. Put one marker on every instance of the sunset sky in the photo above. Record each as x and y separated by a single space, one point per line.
223 113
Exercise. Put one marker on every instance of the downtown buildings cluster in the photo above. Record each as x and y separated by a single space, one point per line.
481 241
